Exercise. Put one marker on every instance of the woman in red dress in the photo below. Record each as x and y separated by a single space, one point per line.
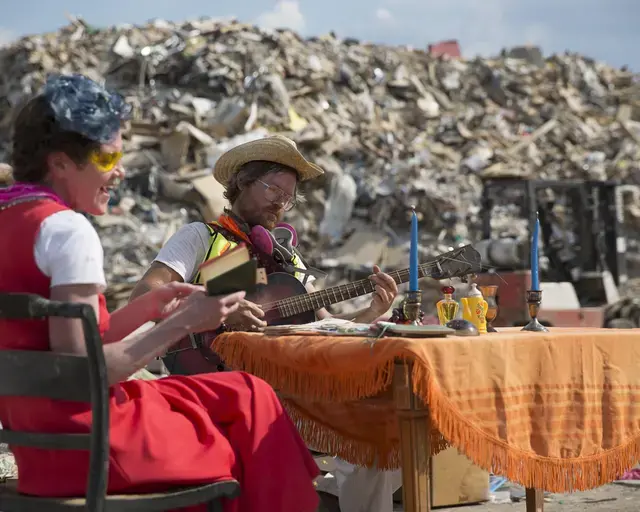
176 431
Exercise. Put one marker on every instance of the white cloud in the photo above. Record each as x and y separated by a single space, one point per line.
285 14
383 14
6 37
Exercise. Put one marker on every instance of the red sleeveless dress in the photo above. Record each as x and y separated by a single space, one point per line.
176 431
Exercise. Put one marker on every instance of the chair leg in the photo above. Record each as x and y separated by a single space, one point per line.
215 506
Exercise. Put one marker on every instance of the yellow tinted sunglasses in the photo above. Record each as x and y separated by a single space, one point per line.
105 162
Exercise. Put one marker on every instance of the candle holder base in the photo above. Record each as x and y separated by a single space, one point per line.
534 298
410 312
412 308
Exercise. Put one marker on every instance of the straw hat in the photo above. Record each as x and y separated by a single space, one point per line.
277 149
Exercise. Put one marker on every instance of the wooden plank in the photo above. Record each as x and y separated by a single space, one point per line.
535 500
415 441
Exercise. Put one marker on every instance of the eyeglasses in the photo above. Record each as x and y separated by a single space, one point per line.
105 162
275 194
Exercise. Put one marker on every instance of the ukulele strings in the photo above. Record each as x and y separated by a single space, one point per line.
309 297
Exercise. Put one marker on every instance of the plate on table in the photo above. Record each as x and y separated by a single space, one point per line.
416 331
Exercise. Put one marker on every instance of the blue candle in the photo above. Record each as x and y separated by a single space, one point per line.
535 277
413 255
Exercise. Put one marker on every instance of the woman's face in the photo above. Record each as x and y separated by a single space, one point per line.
86 187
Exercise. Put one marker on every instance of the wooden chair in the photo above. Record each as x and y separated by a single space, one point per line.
79 379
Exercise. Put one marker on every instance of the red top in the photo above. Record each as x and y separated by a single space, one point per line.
172 431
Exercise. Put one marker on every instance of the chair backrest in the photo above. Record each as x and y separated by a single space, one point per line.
61 377
44 374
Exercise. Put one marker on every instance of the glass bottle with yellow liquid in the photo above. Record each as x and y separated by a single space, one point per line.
447 307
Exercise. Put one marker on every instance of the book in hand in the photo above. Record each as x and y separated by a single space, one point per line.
232 272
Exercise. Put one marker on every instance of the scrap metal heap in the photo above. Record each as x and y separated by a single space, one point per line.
392 126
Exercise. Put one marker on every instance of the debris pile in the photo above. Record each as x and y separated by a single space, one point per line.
391 126
8 468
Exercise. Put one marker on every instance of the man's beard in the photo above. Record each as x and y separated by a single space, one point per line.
267 220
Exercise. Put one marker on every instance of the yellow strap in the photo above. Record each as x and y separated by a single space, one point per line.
217 246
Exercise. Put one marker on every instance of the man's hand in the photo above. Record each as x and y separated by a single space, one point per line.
247 317
385 292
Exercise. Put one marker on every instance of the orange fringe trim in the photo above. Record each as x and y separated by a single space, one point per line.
292 381
327 440
524 468
486 451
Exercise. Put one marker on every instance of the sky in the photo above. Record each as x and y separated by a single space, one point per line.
607 30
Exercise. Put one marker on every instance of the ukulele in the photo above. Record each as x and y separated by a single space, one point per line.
285 300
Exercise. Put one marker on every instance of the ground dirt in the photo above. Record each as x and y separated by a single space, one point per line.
609 498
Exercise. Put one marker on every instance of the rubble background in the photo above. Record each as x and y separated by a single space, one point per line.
391 126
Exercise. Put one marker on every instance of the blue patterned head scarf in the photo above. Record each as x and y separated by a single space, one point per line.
82 106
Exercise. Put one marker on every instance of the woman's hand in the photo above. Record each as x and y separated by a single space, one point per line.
164 300
199 312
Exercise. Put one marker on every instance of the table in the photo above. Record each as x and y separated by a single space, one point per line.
558 411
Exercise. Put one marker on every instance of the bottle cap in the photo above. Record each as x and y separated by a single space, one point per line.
473 291
447 289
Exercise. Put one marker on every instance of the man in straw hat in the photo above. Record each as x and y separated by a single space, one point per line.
261 180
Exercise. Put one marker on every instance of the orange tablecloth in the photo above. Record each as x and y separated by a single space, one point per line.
558 411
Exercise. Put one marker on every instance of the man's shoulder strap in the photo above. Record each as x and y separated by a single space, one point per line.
214 235
218 235
216 228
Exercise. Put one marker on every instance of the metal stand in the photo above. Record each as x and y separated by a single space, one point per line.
411 308
534 298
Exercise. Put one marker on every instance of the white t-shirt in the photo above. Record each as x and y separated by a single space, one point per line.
68 250
185 251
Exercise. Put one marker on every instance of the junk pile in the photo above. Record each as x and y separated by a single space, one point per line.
8 468
391 126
